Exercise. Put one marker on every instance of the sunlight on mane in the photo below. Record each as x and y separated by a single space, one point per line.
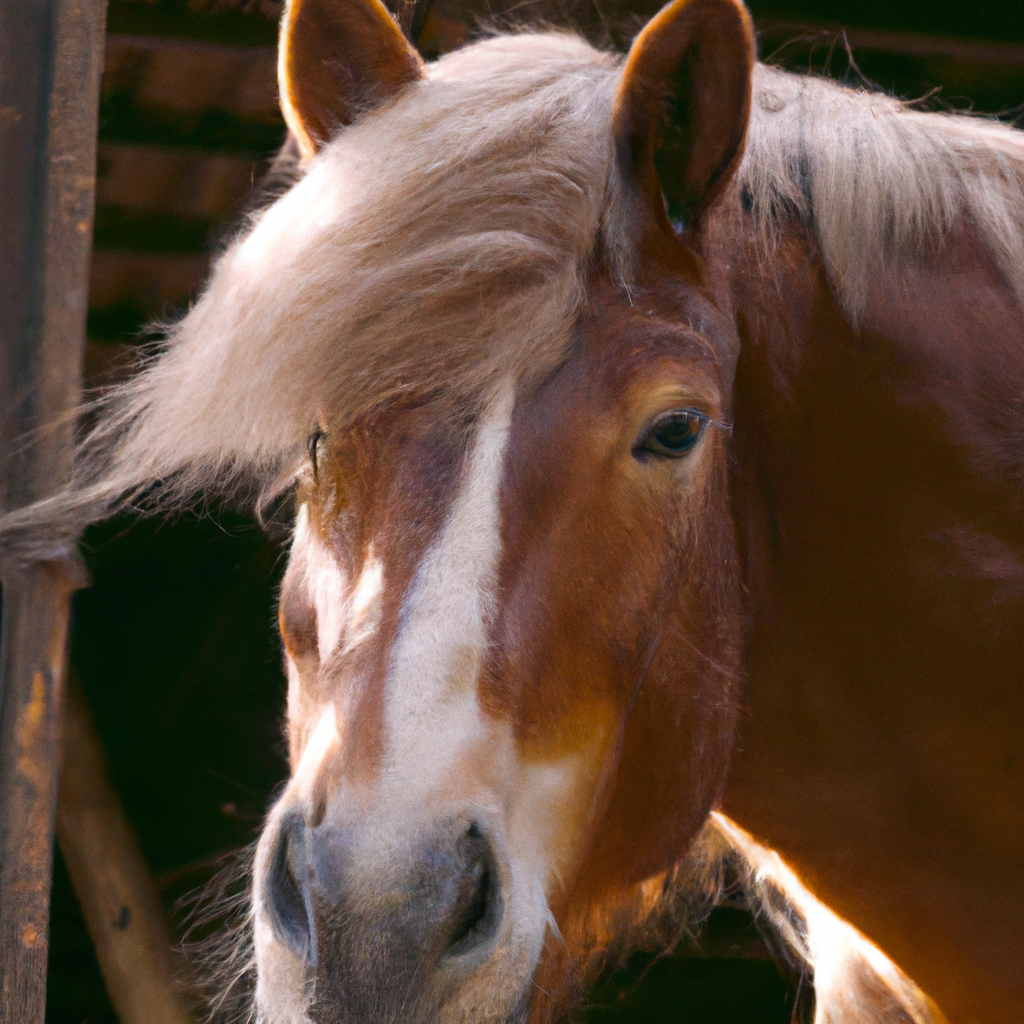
442 241
877 179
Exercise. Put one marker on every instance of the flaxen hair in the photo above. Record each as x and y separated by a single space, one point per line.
877 180
442 242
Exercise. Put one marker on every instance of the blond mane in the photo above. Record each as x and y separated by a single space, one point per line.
438 245
442 242
877 179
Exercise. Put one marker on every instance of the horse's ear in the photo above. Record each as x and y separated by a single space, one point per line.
336 59
684 101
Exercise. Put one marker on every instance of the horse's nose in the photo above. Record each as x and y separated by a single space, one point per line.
444 903
287 889
474 896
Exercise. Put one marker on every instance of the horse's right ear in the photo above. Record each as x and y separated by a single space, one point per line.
683 104
336 59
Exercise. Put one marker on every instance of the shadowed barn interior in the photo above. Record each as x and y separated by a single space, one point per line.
175 643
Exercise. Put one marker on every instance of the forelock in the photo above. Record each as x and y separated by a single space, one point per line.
437 245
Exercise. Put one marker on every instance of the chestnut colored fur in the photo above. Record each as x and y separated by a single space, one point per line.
450 336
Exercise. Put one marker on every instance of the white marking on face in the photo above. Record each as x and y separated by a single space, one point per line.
442 754
341 616
432 712
365 603
537 821
323 738
326 584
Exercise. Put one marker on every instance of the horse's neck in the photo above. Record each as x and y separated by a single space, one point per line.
921 389
878 491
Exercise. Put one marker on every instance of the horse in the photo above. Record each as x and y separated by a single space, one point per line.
641 415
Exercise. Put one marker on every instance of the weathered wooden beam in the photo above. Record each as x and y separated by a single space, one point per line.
215 48
130 288
189 94
51 54
241 23
34 641
902 44
230 22
151 231
118 898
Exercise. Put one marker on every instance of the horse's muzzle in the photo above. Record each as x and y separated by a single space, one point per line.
376 937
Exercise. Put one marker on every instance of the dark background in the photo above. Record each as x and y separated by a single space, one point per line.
175 642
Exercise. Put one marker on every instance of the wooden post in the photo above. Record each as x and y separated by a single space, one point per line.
51 54
110 877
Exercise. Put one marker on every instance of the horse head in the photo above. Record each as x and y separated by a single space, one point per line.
511 609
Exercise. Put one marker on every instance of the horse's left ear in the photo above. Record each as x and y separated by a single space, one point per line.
683 103
337 59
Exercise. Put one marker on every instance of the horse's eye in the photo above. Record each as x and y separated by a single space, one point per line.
673 433
313 450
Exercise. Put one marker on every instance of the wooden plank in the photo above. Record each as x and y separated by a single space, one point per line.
128 289
250 23
51 55
159 180
215 49
34 643
903 44
236 22
159 91
111 880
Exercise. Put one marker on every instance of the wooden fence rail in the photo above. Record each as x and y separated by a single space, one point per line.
51 55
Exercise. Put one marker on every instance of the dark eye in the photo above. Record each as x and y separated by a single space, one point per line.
673 433
313 449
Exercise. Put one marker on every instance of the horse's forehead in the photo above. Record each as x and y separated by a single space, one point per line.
394 474
386 484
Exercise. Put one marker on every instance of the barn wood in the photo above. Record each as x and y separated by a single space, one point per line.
903 44
51 52
105 863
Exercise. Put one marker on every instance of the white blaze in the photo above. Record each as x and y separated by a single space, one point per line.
442 754
432 713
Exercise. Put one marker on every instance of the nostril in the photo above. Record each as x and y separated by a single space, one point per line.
479 904
287 894
475 911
